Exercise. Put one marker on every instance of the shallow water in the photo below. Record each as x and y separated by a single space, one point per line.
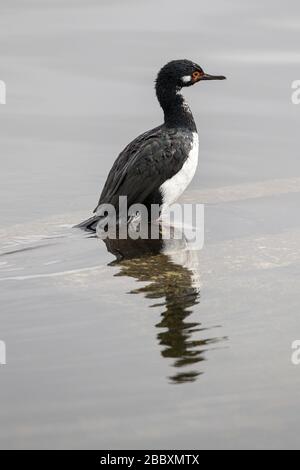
172 348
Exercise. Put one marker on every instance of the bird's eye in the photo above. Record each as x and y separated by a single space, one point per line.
196 75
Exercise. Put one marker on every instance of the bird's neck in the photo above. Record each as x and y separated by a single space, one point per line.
176 111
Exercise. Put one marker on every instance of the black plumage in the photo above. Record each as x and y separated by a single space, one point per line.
145 165
157 155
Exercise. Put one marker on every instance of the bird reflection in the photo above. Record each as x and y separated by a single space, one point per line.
170 270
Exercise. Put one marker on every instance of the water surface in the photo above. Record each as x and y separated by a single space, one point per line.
167 348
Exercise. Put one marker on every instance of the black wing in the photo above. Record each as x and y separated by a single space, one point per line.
145 164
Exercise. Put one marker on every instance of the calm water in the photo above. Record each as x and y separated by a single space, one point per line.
170 348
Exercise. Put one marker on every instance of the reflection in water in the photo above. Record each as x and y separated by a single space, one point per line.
170 270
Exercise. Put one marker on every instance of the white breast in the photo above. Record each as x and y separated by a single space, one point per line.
175 186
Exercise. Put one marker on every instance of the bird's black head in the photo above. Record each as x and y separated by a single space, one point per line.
183 73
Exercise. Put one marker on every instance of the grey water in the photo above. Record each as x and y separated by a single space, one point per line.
169 348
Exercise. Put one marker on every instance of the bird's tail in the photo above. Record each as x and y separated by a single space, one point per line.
89 225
